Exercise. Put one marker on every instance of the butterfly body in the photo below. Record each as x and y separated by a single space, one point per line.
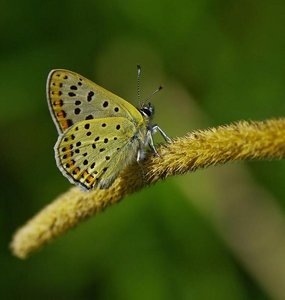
99 132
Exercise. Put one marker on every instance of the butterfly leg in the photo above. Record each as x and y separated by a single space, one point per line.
140 154
156 128
140 157
150 141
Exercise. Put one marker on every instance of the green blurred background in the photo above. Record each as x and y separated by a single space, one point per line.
214 234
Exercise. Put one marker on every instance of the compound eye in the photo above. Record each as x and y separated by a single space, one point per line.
147 111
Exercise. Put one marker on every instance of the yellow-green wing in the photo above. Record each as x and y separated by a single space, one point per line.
73 98
93 152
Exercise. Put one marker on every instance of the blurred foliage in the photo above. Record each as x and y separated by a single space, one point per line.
228 55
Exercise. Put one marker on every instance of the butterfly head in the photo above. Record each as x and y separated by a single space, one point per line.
147 110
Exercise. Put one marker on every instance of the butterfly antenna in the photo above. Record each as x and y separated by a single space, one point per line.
138 84
153 93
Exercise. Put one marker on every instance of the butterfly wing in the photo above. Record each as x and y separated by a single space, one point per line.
73 98
93 152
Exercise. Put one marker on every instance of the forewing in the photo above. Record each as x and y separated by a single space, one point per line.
92 152
73 98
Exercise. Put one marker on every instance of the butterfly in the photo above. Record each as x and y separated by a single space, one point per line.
99 132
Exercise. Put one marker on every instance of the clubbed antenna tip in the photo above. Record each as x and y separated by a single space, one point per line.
139 68
138 84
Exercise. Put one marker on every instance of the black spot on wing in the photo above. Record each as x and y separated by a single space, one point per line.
90 96
77 110
69 122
